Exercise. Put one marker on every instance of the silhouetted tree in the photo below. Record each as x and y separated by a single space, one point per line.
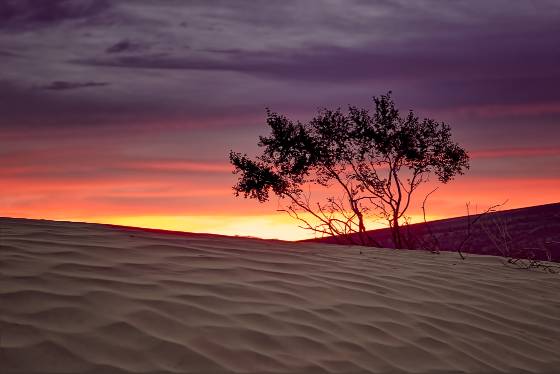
374 161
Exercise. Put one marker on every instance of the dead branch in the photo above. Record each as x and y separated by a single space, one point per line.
470 224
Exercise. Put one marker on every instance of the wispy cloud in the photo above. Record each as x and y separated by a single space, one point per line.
198 55
62 85
179 166
515 152
124 45
4 53
29 14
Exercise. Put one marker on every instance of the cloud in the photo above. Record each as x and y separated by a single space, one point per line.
179 166
29 14
485 72
4 53
142 107
290 56
124 46
518 110
516 152
62 85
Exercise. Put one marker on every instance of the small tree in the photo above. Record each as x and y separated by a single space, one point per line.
372 163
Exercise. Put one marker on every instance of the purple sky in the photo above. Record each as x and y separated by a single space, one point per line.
90 90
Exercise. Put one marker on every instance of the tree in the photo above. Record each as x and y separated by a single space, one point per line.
371 162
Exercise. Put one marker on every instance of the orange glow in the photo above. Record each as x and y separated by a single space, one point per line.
248 218
196 195
181 166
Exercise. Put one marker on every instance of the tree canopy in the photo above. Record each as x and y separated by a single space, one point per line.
373 162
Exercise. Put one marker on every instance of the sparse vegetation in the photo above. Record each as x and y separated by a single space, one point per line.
497 229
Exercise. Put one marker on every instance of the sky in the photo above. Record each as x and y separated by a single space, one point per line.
124 111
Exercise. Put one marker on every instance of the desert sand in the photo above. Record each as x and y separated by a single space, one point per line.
86 298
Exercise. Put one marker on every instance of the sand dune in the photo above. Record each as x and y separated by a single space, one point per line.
84 298
533 232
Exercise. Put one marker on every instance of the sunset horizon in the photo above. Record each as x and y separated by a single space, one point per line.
103 120
163 182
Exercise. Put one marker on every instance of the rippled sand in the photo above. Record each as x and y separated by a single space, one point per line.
86 298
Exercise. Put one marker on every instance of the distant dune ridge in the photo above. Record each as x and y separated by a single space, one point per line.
528 231
86 298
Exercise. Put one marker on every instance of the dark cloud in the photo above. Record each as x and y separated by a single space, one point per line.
62 85
27 14
293 56
337 64
466 70
8 54
29 107
124 46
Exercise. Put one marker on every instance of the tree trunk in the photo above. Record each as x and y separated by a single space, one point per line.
361 228
396 233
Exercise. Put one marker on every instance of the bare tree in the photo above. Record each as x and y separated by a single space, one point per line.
371 163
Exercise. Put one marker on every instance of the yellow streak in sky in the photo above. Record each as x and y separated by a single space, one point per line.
276 226
266 226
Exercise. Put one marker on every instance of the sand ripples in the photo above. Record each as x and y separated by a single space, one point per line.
88 298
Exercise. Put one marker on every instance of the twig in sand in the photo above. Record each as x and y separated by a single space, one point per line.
522 258
470 224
